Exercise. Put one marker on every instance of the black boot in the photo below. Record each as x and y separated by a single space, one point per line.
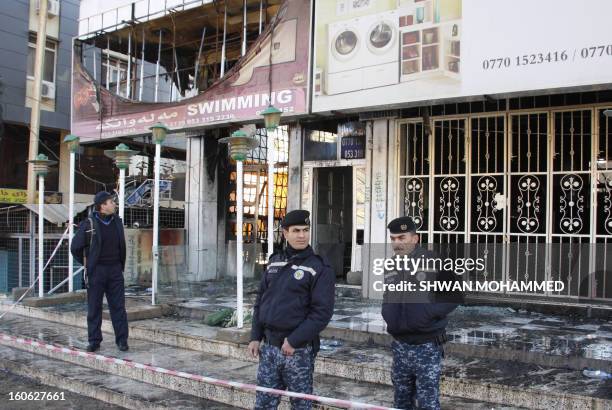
93 347
123 347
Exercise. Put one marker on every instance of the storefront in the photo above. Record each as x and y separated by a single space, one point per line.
486 173
333 190
204 88
461 136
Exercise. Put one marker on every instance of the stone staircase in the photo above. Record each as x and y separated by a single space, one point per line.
352 370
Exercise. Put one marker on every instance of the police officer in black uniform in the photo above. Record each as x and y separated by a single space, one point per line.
99 244
417 322
294 304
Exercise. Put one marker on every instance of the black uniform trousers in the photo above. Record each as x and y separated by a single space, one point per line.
106 280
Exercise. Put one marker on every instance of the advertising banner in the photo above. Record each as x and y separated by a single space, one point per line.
388 53
240 96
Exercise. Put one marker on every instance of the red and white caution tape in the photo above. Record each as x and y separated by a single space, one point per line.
211 380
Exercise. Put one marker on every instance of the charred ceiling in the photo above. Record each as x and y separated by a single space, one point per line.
190 43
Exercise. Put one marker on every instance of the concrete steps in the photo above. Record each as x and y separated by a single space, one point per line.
559 353
111 389
155 354
192 334
349 368
468 350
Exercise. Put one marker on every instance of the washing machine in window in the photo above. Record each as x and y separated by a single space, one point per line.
382 38
381 54
345 57
344 44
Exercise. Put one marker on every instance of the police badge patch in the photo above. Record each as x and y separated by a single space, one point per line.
299 274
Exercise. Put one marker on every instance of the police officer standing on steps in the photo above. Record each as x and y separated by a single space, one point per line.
294 304
99 245
417 322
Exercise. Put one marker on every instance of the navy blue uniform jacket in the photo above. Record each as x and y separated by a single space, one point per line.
417 317
80 243
296 297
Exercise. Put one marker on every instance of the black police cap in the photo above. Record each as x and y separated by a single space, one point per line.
101 197
401 225
297 217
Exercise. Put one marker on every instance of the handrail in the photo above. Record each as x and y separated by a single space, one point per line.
65 280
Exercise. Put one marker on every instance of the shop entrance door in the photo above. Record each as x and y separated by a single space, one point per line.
333 217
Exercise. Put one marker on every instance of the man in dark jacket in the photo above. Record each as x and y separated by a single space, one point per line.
294 304
99 245
417 321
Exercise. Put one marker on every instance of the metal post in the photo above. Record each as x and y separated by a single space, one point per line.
107 63
94 64
129 66
271 153
224 38
39 58
41 221
118 65
197 63
155 223
176 72
244 28
71 222
157 65
32 248
260 15
239 239
142 63
20 259
121 192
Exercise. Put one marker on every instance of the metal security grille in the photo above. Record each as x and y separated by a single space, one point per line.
528 152
538 181
601 229
571 200
19 239
143 217
488 190
255 187
414 177
449 181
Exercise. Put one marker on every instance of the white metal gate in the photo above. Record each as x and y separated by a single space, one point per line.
538 181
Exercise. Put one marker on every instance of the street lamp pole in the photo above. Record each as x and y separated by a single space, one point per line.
159 132
272 117
122 155
271 152
73 147
41 168
239 146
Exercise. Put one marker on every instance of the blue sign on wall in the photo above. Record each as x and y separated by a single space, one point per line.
352 140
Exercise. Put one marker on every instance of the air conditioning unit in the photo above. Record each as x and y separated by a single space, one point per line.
48 90
53 7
